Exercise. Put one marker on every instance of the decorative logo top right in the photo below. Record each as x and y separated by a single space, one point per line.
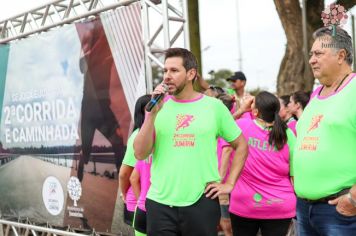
334 15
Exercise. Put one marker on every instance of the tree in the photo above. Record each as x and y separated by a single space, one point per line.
219 77
194 30
293 74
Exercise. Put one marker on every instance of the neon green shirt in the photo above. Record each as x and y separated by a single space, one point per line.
325 150
184 157
129 158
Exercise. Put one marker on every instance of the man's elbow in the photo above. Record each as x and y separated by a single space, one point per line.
141 150
140 156
139 153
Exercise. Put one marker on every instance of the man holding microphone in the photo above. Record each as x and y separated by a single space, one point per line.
181 132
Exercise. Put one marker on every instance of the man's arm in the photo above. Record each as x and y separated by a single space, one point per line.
143 143
238 162
225 160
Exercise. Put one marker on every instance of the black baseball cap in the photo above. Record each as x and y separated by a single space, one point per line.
237 75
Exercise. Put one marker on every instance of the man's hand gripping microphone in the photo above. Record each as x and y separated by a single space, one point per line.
156 98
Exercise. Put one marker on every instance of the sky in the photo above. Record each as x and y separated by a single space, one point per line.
262 37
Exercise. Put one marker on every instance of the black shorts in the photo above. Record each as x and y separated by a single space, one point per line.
140 221
199 219
128 216
242 226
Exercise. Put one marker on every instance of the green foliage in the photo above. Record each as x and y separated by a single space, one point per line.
219 77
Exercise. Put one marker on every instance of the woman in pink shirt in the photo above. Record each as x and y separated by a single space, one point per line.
263 197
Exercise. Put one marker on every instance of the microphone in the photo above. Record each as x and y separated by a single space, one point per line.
156 98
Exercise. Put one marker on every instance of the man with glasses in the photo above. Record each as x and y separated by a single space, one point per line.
324 160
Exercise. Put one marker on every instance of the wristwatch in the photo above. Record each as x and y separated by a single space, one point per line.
352 201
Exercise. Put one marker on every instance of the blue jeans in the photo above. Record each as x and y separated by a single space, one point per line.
322 219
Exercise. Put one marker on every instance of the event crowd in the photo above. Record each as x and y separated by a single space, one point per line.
204 160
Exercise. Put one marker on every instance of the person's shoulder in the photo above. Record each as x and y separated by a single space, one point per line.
315 92
244 122
211 100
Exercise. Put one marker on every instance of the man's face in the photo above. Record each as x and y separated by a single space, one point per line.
323 59
175 75
237 84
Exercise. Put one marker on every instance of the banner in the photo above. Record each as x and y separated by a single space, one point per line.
67 99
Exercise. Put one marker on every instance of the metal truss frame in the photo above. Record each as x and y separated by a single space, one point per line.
60 12
54 14
169 14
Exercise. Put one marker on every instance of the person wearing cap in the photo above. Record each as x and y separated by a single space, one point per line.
324 159
238 83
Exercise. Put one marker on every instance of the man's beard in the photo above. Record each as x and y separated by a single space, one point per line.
179 89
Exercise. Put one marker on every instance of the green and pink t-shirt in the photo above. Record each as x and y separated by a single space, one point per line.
325 150
264 189
184 158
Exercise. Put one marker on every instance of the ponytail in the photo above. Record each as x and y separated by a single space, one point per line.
278 134
268 106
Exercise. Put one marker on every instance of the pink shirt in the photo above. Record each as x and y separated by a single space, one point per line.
264 190
130 200
292 123
143 167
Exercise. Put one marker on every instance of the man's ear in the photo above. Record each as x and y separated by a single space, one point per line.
192 73
341 56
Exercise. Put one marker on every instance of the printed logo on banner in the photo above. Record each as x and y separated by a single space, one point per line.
52 195
75 192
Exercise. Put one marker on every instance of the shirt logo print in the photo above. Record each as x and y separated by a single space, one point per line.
183 121
315 122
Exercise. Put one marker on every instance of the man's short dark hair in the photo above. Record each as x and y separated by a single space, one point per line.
341 40
189 60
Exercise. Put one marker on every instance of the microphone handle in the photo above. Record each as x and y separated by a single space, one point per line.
154 101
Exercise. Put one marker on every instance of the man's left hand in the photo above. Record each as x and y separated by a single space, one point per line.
343 206
213 190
